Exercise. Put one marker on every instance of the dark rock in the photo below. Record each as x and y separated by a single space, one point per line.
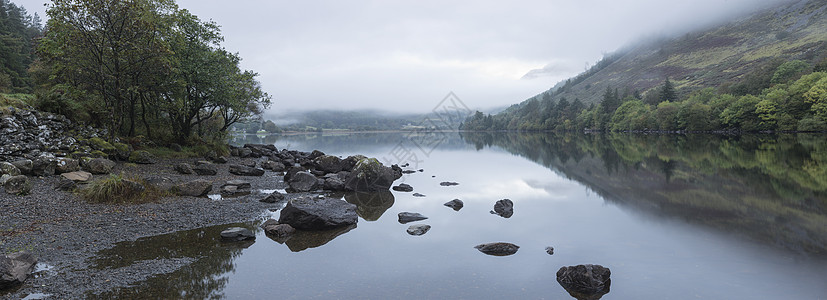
550 250
184 168
585 281
403 187
15 269
8 168
418 195
160 183
100 166
408 171
245 170
269 222
303 182
4 178
315 154
503 208
67 165
142 157
418 229
44 166
79 176
132 187
369 175
207 169
292 171
18 185
371 205
195 188
303 240
498 249
334 183
220 160
421 170
231 191
241 184
407 217
66 185
310 214
245 152
351 161
273 229
176 147
24 165
328 164
455 204
249 163
237 234
274 166
448 183
275 197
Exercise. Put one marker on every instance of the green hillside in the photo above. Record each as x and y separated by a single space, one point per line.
748 56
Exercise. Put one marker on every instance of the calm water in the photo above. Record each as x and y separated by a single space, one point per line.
673 217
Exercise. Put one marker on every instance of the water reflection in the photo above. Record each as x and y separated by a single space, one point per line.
370 206
302 240
773 189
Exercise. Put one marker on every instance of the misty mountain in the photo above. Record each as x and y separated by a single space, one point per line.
737 57
360 120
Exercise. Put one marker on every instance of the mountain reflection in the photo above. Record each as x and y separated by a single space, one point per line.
768 188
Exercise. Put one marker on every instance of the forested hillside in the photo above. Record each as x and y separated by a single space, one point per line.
18 31
760 73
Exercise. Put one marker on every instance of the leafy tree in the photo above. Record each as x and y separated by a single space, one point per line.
788 71
667 92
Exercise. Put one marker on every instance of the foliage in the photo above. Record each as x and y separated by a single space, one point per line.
17 31
119 189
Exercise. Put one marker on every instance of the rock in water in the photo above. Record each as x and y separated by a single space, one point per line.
100 166
498 249
504 208
418 229
275 197
18 185
237 234
407 217
304 182
15 268
455 204
310 214
448 183
245 170
403 187
585 281
274 229
418 195
550 250
369 175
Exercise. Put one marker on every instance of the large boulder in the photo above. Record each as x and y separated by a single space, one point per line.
275 166
141 157
160 183
16 268
304 182
205 169
195 188
67 165
498 249
8 168
369 175
321 214
43 166
100 166
328 163
585 281
245 170
24 165
18 185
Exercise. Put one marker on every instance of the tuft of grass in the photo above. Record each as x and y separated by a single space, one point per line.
120 189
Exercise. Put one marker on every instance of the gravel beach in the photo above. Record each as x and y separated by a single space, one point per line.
64 231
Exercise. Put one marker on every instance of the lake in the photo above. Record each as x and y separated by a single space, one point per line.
672 216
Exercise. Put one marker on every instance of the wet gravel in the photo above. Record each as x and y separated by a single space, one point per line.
64 231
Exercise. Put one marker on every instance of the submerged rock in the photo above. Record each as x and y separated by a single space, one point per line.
418 230
237 234
407 217
418 195
403 187
16 268
504 208
448 183
585 281
310 214
498 249
455 204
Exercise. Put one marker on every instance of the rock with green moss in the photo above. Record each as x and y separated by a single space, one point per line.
8 168
142 157
101 145
369 175
18 185
122 151
99 166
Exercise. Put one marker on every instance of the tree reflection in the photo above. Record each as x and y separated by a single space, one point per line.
771 188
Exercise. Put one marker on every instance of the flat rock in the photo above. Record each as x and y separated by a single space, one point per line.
318 214
498 249
403 187
78 176
237 234
418 229
418 195
455 204
195 188
207 169
407 217
241 170
448 183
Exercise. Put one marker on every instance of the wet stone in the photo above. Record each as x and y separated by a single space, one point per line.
455 204
236 234
419 229
407 217
498 249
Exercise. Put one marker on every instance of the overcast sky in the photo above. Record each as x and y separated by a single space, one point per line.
405 56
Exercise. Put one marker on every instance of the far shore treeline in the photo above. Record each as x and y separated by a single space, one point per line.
138 68
783 96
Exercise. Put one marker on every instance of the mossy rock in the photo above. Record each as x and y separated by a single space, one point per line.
123 151
142 157
98 153
102 145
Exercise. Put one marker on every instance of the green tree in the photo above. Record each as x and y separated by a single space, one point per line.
667 92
